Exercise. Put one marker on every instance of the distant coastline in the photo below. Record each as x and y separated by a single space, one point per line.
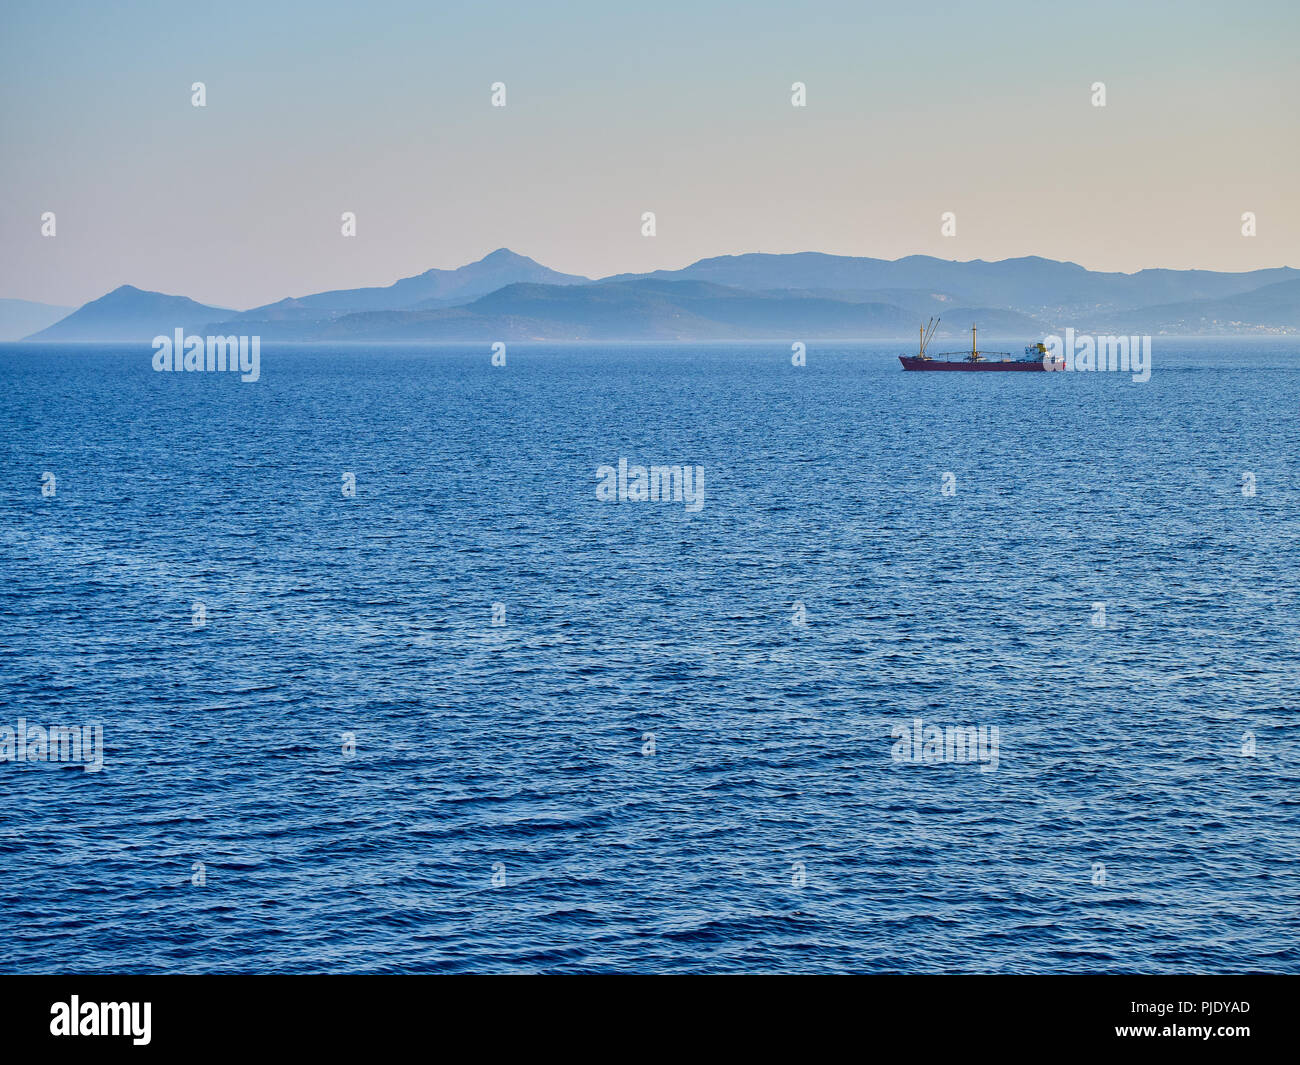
510 297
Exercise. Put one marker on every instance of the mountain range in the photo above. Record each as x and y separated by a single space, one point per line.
506 296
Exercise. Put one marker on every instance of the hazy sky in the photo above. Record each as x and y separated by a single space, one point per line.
682 108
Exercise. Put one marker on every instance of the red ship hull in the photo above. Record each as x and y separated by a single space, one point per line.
911 362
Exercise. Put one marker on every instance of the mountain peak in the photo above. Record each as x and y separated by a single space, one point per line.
502 257
434 287
131 314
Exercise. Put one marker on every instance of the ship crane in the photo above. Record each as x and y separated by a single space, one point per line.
927 334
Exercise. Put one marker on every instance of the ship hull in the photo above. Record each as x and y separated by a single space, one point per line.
964 366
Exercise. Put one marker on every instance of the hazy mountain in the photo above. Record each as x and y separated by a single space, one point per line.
433 288
920 304
1271 309
505 296
131 314
538 312
20 318
644 310
1031 285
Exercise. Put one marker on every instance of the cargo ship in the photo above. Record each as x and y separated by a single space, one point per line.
1037 357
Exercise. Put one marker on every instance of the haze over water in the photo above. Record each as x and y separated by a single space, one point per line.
518 751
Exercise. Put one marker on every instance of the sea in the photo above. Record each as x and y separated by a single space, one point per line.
993 673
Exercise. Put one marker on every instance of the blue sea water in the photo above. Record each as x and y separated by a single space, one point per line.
649 767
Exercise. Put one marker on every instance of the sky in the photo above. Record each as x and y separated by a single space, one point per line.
384 109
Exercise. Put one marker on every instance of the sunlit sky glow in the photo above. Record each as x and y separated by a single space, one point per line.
682 108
